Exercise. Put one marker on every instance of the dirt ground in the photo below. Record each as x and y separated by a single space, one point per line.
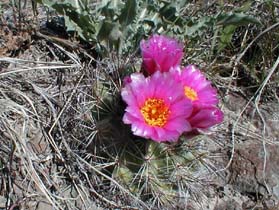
47 84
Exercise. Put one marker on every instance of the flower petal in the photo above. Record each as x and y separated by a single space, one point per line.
206 118
160 53
159 88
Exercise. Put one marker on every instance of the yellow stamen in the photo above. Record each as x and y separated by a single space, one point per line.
190 93
155 112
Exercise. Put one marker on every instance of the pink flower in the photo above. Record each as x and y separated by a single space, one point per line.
196 87
203 96
126 80
160 53
206 118
156 107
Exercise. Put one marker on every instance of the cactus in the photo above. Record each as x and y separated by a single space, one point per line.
162 106
156 172
160 174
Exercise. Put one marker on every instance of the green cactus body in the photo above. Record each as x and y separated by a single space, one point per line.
156 171
159 174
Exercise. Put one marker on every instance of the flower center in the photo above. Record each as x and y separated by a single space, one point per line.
155 112
190 93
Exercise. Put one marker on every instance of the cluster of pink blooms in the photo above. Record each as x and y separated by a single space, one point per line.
171 100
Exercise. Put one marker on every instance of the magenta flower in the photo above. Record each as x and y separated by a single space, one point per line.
156 107
206 118
126 80
196 87
160 53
